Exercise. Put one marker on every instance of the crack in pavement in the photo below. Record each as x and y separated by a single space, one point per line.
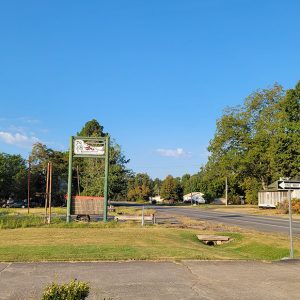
7 266
196 281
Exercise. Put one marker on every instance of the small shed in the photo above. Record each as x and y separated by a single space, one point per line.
272 196
269 198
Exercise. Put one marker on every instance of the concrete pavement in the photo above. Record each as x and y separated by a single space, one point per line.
157 280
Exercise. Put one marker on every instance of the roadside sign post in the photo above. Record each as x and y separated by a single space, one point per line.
92 147
289 185
291 226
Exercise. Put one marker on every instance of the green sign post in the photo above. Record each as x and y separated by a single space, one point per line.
93 147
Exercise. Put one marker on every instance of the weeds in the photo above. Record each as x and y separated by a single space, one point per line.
74 290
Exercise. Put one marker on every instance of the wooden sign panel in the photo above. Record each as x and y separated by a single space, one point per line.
87 205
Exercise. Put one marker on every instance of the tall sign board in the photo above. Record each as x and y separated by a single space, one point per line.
92 147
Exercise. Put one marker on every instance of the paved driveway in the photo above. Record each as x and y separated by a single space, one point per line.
158 280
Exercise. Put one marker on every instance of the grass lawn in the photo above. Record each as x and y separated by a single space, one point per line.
63 211
132 242
12 218
33 211
26 238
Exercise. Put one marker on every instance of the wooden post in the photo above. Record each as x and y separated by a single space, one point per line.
143 220
153 219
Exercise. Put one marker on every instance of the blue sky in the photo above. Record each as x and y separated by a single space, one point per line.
155 74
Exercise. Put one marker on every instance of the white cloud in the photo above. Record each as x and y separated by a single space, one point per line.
179 152
29 120
18 139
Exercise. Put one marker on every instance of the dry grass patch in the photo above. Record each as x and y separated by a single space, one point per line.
33 211
132 211
248 209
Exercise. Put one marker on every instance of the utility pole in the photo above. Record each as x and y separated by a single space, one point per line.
226 190
191 193
28 185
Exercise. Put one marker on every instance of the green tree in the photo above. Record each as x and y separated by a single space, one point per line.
92 128
186 183
156 186
13 176
39 158
171 189
140 187
244 146
191 183
92 170
286 142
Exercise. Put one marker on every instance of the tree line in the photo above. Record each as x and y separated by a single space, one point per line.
87 177
87 172
254 144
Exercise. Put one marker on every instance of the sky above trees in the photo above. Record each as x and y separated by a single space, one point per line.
156 74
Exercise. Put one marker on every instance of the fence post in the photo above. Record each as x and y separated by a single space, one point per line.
143 221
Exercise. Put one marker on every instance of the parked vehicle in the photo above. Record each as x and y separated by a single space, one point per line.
2 202
8 203
15 204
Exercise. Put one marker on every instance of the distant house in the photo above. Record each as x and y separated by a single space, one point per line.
272 196
196 197
156 198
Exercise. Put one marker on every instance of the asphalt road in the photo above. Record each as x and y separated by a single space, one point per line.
157 280
260 223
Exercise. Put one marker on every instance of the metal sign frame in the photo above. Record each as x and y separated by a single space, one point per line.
288 185
104 142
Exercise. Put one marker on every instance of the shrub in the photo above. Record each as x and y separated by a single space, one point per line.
74 290
284 206
234 199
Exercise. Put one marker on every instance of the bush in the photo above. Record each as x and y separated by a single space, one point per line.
234 199
284 206
74 290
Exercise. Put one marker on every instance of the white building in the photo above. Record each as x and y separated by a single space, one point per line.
156 198
197 197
